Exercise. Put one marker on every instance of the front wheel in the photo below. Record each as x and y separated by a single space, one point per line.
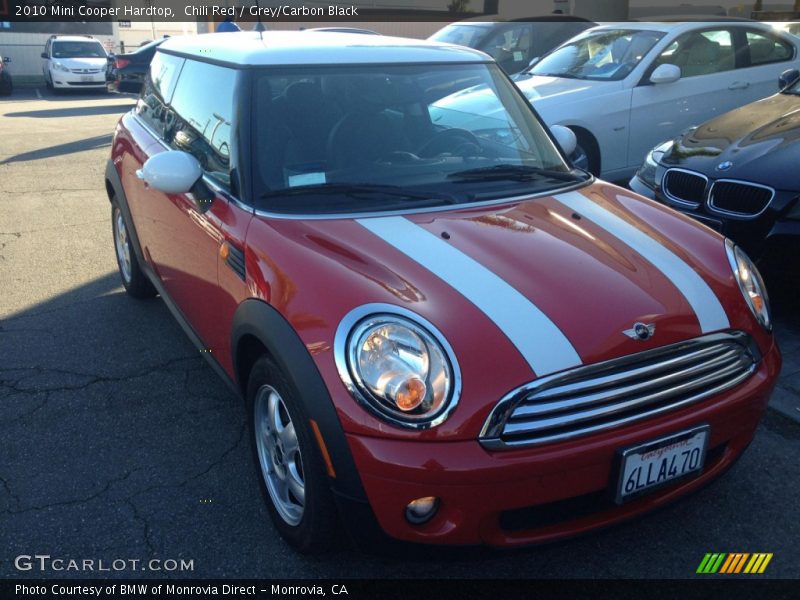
294 481
133 278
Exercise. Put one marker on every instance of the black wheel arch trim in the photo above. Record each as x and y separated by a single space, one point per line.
258 319
112 179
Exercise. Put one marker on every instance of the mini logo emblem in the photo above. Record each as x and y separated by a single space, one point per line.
725 165
641 331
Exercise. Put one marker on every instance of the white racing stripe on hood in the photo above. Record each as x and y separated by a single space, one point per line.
538 339
701 298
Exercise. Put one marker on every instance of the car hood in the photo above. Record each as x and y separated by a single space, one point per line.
478 107
82 63
519 291
757 142
538 88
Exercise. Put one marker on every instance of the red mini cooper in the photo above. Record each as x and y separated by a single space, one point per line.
444 332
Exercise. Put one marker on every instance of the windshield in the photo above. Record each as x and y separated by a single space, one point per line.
78 50
606 55
463 35
396 134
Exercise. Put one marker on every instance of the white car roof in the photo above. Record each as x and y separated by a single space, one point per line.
316 47
681 26
75 38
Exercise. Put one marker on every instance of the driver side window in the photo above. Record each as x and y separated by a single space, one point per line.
700 53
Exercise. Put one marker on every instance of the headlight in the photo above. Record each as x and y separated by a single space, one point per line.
397 365
751 284
60 67
648 172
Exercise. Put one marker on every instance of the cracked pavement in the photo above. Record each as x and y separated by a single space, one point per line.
118 441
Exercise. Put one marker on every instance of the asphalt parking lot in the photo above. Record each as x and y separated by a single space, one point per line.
118 441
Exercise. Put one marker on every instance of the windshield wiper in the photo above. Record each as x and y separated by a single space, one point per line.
514 173
562 75
356 189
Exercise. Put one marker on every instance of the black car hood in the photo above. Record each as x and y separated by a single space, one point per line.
761 141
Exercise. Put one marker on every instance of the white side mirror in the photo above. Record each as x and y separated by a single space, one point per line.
565 138
172 172
665 73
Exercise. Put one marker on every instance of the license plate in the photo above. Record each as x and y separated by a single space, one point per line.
87 78
651 465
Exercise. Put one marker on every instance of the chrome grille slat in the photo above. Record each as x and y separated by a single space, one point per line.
534 408
513 427
623 421
619 378
597 397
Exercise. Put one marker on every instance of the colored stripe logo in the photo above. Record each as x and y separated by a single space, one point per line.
734 563
542 344
698 294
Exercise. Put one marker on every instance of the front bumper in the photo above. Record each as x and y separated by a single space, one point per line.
64 80
535 495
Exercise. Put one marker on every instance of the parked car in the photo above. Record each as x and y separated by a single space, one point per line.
126 72
74 62
344 30
513 44
737 173
444 335
625 87
6 84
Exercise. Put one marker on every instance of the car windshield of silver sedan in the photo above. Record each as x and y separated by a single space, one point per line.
344 139
607 55
78 50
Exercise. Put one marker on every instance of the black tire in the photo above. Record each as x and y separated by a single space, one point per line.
588 146
318 526
133 278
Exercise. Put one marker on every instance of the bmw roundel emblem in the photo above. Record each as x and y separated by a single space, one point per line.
725 165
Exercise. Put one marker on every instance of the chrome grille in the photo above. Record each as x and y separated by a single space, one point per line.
739 198
604 395
685 187
86 71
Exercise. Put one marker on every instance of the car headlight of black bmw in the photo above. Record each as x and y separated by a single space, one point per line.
649 171
750 283
397 365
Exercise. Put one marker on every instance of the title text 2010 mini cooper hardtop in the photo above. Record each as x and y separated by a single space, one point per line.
444 333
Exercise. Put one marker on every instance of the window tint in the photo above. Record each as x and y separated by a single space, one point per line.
765 48
511 46
164 71
203 107
701 53
158 89
396 127
88 49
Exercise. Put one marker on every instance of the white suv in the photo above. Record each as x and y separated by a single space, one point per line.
74 62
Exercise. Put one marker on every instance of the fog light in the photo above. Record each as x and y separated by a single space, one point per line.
421 510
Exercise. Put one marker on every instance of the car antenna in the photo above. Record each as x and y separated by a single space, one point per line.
260 26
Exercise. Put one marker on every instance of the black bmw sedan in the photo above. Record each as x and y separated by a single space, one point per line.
738 173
